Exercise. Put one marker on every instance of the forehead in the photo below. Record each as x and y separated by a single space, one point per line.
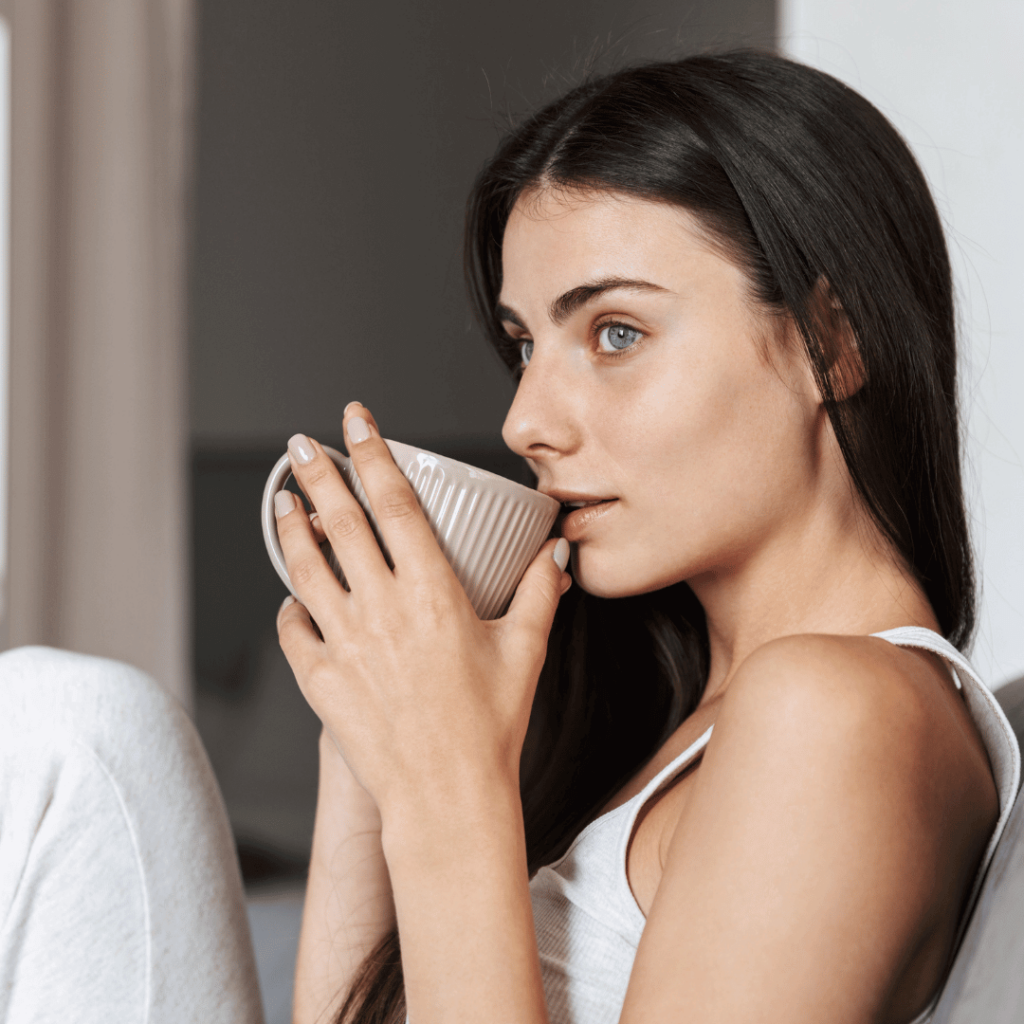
555 239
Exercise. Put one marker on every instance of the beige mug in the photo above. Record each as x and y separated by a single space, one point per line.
489 528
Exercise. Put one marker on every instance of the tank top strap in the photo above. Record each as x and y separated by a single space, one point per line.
674 767
929 640
996 733
636 804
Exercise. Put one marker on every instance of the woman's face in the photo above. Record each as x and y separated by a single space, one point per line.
654 387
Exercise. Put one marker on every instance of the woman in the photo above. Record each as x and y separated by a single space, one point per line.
738 771
759 782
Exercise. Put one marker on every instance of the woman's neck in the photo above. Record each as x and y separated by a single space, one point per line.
832 573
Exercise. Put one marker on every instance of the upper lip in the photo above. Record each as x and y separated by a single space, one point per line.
569 497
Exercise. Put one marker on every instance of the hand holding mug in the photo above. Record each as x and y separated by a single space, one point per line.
414 685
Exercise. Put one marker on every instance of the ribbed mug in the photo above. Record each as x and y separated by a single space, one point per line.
489 528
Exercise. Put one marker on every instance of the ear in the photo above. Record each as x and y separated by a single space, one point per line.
845 366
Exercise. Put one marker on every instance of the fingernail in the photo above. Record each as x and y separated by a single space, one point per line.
358 429
561 553
284 604
313 517
300 449
350 405
284 502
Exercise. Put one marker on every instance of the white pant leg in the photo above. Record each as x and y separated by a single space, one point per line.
120 896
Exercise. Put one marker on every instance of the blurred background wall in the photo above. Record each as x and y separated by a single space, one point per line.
335 146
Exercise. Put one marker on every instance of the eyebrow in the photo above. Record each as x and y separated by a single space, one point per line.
575 298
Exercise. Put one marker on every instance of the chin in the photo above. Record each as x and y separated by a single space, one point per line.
614 578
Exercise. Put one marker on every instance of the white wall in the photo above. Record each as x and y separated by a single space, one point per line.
949 74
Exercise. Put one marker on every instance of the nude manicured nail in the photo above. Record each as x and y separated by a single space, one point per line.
300 449
561 553
284 502
351 405
358 429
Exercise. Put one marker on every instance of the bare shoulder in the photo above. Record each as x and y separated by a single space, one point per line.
838 669
832 832
864 717
852 697
879 741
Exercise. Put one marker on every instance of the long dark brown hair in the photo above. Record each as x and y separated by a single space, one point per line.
801 181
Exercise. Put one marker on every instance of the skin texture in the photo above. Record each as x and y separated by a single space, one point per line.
813 865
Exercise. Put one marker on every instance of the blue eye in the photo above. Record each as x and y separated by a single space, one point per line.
525 351
616 337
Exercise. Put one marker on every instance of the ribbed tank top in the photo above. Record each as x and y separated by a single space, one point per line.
588 923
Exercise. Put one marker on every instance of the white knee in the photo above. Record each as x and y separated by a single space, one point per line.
95 699
114 844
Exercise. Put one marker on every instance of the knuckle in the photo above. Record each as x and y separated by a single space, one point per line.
345 523
317 471
397 505
389 624
387 620
369 452
320 677
304 572
437 603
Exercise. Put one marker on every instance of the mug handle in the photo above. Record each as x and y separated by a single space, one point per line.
277 480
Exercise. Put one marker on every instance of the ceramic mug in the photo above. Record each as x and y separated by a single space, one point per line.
489 528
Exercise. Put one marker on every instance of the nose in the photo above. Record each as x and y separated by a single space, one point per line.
540 425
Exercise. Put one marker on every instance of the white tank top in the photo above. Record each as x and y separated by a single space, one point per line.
588 923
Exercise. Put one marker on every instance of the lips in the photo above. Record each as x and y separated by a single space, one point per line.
576 499
583 504
580 513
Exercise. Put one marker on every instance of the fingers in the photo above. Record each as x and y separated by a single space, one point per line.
401 520
543 584
310 575
341 517
298 637
317 527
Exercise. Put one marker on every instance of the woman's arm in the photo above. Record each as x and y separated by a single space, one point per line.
469 951
820 862
429 706
464 904
349 905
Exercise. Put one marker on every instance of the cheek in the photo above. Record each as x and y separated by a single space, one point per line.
710 472
744 466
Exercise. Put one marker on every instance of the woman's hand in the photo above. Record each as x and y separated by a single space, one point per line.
428 707
415 689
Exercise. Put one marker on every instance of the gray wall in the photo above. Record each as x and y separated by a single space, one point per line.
336 144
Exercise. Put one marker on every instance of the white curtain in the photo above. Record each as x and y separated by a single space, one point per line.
98 541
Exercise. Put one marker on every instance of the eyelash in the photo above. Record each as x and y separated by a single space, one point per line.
513 346
602 324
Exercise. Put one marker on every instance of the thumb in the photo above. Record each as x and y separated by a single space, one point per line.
544 582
